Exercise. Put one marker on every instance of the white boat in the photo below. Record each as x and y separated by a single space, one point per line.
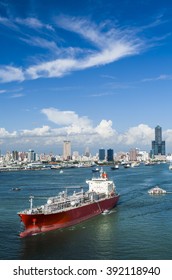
135 164
127 165
116 166
95 169
156 190
170 166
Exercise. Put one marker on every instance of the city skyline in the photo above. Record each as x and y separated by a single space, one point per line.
95 73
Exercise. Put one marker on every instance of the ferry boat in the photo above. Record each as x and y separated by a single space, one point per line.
66 210
156 190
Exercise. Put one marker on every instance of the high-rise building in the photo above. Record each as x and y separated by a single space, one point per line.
101 154
133 153
110 155
15 155
158 146
87 152
31 155
66 150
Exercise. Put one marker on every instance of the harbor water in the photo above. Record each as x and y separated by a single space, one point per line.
140 227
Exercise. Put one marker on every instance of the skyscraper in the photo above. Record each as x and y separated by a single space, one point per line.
158 146
66 150
31 155
110 155
101 154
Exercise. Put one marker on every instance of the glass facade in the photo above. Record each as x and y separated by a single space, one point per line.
102 154
158 146
110 155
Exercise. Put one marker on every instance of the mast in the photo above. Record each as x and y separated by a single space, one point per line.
31 203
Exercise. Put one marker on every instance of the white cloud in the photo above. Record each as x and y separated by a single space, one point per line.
106 45
41 131
16 95
2 91
60 117
8 23
162 77
104 129
81 132
5 134
72 123
56 68
141 134
10 74
42 43
33 23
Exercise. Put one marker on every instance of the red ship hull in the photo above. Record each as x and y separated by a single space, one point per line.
38 223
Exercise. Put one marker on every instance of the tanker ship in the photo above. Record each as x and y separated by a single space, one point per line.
66 210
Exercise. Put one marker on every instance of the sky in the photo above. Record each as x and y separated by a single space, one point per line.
95 72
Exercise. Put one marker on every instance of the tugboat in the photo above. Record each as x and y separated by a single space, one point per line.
66 210
16 189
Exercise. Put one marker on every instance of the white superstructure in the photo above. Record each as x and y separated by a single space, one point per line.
101 184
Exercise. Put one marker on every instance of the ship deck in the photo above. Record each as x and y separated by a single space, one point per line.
66 205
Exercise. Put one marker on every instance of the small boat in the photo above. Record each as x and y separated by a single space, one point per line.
149 163
16 189
95 169
116 166
135 164
156 190
127 165
170 166
61 171
55 167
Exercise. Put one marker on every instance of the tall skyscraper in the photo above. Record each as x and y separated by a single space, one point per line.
66 150
101 154
110 155
158 146
31 155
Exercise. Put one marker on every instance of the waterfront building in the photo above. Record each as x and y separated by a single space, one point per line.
110 156
23 156
101 154
158 146
15 155
133 154
143 156
75 156
87 152
66 150
8 156
31 155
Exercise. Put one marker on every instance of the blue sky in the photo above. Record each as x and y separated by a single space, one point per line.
95 72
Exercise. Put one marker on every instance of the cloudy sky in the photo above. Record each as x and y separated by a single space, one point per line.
96 72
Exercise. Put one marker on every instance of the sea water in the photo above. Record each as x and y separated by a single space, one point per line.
140 227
